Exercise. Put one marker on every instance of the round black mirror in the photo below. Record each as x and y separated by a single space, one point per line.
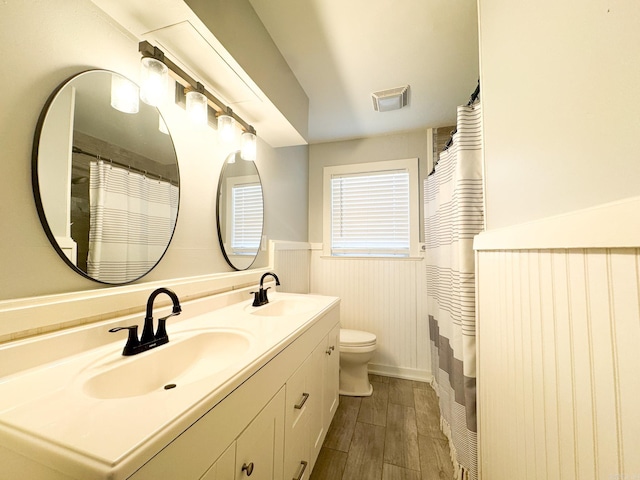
240 212
106 182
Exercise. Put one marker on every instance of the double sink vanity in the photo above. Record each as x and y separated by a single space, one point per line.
238 391
226 390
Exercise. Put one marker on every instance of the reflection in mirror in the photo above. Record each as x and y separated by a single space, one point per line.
239 211
106 183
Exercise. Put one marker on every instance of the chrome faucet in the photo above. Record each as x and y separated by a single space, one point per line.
149 339
261 295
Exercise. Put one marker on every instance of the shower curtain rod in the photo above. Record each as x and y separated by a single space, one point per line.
472 99
128 167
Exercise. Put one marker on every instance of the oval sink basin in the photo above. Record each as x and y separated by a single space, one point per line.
180 362
283 307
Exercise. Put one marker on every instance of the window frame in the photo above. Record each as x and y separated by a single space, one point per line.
234 182
408 164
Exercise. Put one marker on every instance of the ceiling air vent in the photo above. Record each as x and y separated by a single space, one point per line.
392 99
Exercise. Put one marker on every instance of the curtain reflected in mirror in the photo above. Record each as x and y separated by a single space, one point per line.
131 206
240 212
105 178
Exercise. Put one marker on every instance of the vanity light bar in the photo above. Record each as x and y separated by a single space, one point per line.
187 81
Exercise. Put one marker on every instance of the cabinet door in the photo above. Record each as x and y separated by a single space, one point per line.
331 376
259 449
317 431
299 401
224 467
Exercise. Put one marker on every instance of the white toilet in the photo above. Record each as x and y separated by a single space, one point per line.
356 349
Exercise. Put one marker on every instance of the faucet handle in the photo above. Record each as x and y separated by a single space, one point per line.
161 334
257 298
263 296
132 339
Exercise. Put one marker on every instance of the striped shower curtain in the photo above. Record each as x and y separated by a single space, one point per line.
453 215
132 220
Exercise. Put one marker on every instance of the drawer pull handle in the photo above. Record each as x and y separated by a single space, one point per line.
330 349
305 397
248 468
304 467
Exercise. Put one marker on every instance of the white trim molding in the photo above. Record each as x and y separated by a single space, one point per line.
401 372
610 225
287 245
408 164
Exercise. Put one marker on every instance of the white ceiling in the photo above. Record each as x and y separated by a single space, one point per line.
343 50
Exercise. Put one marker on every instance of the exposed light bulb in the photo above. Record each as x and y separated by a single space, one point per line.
248 148
226 129
124 94
197 107
154 76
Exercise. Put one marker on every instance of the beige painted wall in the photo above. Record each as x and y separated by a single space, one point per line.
44 42
373 149
559 91
382 296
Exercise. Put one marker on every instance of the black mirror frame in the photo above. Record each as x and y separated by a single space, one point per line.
218 221
35 184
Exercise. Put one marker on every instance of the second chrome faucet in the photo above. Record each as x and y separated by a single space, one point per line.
149 339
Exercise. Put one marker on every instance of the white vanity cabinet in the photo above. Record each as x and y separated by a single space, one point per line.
257 452
272 425
311 401
298 408
331 377
213 420
225 466
326 359
259 448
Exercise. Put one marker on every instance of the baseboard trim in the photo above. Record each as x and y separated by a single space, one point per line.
401 372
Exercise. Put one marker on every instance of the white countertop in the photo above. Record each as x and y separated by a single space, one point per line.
47 415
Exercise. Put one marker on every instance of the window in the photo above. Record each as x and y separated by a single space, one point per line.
371 209
246 218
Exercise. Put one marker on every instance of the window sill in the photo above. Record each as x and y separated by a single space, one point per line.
392 259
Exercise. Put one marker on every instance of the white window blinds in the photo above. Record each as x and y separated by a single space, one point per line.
370 214
246 228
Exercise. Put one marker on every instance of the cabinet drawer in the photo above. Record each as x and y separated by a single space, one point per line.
299 403
298 396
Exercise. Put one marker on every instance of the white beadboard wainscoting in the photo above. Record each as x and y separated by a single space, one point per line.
385 297
291 264
559 355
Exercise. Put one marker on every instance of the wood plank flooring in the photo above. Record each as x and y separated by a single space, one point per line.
392 435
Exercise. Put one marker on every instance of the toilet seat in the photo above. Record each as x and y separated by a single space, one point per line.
356 338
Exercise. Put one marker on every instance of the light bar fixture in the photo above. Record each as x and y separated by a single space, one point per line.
227 127
197 106
248 146
192 85
154 76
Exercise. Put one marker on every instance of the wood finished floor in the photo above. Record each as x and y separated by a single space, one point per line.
392 435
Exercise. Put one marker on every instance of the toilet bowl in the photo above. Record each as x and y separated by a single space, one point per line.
356 350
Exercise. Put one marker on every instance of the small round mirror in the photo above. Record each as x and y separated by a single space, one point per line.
240 211
105 178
